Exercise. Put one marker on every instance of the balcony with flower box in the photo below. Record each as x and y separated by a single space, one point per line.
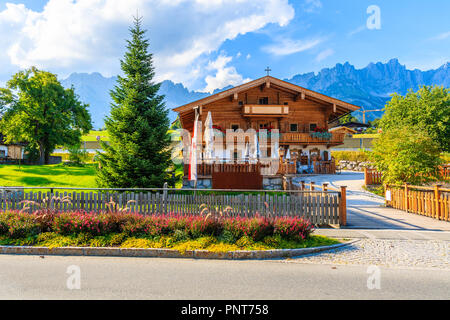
321 138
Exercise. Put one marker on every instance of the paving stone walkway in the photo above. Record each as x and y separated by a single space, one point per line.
387 237
433 254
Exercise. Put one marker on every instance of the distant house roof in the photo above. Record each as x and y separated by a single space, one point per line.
343 129
355 125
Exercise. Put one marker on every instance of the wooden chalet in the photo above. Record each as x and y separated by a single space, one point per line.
302 117
11 152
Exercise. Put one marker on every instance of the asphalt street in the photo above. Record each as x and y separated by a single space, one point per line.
34 277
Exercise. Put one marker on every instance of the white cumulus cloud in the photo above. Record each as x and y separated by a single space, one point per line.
288 46
324 54
89 35
224 75
312 5
442 36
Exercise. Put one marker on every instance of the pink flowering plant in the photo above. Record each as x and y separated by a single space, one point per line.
21 225
18 225
256 228
292 228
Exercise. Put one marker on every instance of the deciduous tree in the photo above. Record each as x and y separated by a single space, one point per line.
406 154
37 109
427 110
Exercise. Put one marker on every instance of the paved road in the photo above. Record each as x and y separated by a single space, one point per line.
410 251
29 277
367 211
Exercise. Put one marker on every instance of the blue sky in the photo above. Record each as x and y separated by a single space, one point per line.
206 44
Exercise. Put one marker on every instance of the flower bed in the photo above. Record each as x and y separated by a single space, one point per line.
52 229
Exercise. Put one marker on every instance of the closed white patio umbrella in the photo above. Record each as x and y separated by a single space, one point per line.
256 153
247 152
288 154
275 151
209 139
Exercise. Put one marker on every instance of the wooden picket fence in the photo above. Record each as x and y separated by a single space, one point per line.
444 172
372 177
319 208
432 202
288 184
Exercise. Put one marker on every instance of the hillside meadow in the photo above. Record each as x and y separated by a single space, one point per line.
50 175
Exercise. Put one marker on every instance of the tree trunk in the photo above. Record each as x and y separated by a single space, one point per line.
42 154
47 158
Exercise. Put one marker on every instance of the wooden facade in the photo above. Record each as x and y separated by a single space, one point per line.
10 151
302 116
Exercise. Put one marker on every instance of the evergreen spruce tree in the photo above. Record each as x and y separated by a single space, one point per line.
139 151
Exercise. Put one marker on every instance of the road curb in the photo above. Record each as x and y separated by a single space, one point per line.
167 253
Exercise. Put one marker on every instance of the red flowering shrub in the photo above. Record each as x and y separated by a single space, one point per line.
293 228
18 225
256 228
134 225
200 227
81 222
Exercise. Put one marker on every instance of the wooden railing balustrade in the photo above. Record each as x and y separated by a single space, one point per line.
433 202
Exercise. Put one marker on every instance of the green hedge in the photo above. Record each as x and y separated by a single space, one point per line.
360 156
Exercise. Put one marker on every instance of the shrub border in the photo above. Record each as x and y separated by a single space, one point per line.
167 253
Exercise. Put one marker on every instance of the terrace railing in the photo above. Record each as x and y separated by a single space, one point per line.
284 167
319 207
307 138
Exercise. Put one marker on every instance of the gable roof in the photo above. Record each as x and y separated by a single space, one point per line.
355 125
308 94
342 128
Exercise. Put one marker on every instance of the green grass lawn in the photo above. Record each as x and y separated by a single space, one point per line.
92 136
54 240
47 176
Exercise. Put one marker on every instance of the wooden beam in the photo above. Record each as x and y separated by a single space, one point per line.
334 107
267 83
279 88
303 95
196 110
236 96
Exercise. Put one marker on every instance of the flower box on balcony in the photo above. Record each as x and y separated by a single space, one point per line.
321 135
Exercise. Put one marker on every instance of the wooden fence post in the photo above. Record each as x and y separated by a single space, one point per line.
406 197
286 185
366 176
437 196
165 197
303 185
311 186
385 192
343 207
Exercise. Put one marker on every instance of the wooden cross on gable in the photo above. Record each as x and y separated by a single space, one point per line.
268 71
